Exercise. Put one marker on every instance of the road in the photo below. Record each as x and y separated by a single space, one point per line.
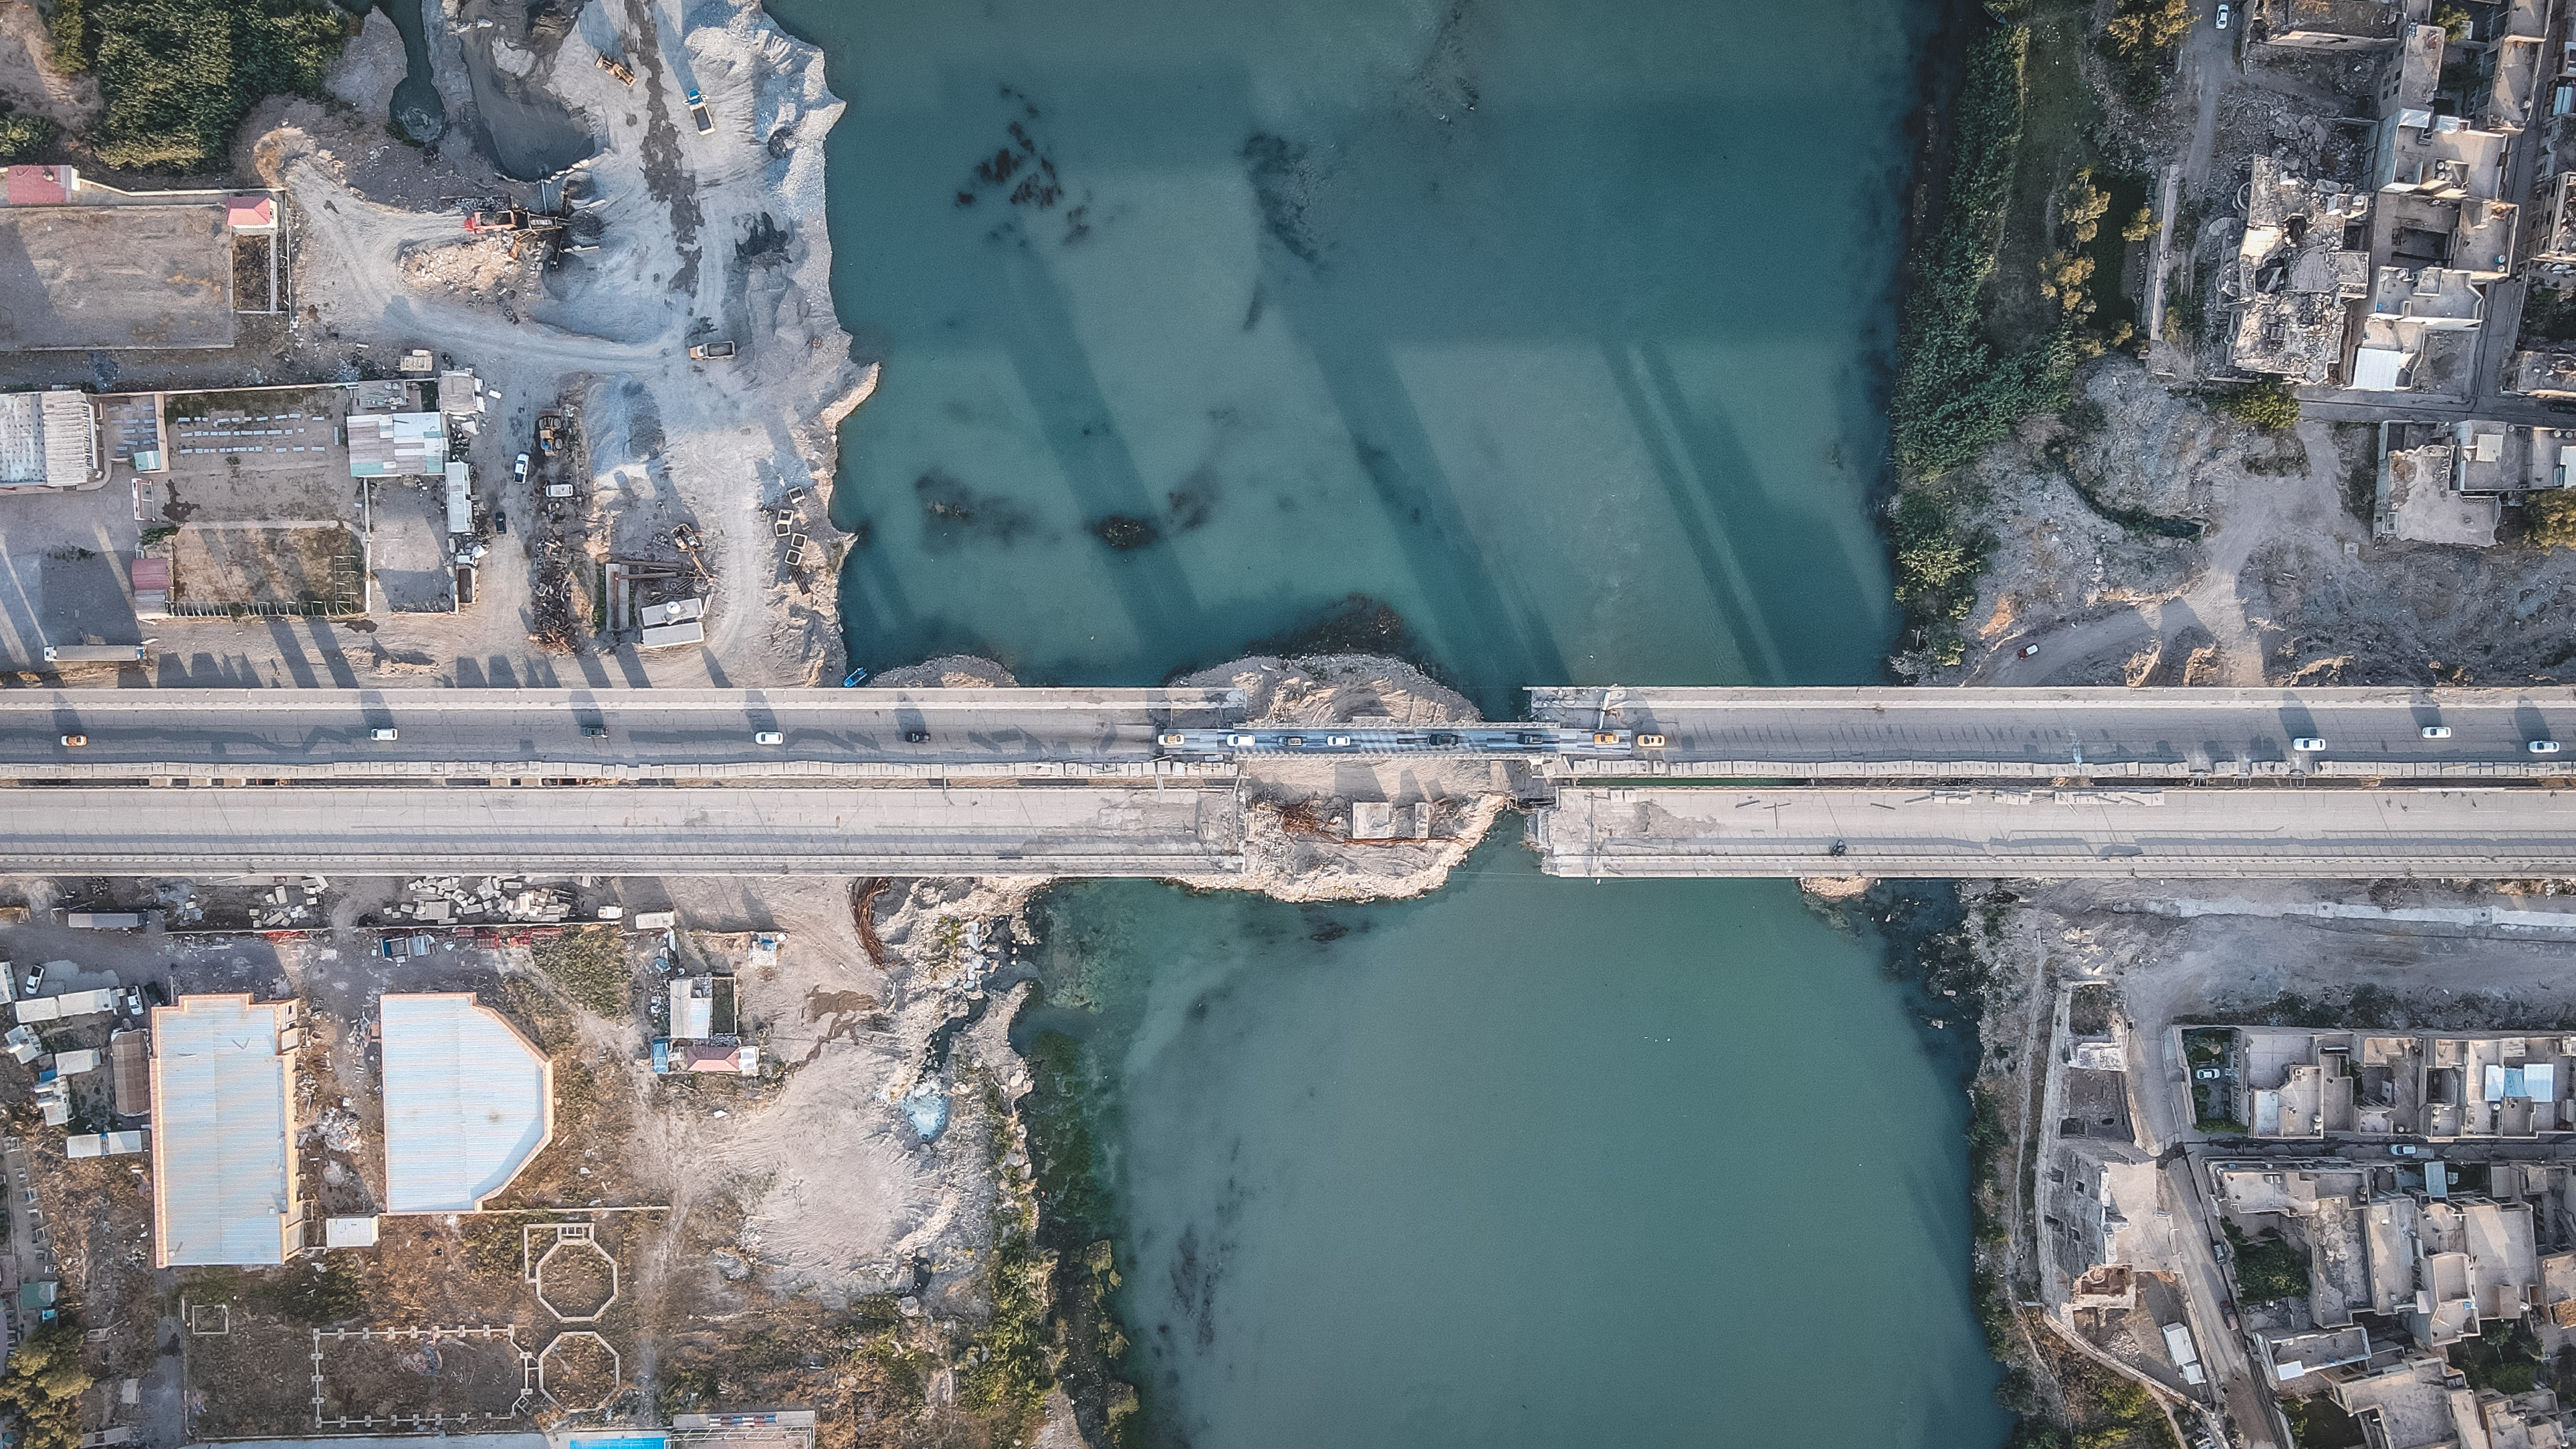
1064 831
2173 734
1810 734
2225 833
663 733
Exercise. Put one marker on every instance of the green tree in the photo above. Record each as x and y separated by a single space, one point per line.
2141 226
2454 22
43 1386
2550 517
2146 29
2081 207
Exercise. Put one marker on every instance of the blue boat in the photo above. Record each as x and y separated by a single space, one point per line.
854 678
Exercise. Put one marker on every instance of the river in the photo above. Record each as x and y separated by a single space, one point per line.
1543 342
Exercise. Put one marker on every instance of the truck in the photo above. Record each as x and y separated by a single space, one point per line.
706 350
698 111
549 433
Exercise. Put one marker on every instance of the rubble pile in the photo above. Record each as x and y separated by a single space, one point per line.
286 904
439 900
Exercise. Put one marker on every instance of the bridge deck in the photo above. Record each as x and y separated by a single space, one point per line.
2241 833
1057 831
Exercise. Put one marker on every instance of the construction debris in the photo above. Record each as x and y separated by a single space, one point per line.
440 900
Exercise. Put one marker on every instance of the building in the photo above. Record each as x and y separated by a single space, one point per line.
386 445
2391 1242
2298 1083
2324 24
2423 1403
48 440
2420 334
467 1102
223 1139
2301 266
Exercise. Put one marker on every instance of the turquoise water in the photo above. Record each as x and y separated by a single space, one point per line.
1529 1163
1552 327
1556 330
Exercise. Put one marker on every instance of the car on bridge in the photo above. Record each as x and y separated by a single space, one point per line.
2544 747
2437 732
769 737
385 734
2307 744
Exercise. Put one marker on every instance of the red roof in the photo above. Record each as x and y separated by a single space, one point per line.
246 213
40 185
150 574
699 1056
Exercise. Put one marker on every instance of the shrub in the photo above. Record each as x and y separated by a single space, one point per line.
178 75
22 137
2141 226
2266 405
2550 518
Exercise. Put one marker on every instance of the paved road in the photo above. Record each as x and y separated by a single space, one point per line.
1814 734
711 830
251 733
2173 734
2252 832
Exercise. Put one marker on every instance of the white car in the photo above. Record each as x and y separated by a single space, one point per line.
383 734
1238 742
2223 14
2543 747
2437 732
519 470
769 737
2307 744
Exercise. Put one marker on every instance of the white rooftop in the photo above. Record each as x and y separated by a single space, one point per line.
467 1102
223 1159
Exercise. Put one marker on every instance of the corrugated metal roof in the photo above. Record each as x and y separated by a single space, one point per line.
128 1057
223 1163
467 1102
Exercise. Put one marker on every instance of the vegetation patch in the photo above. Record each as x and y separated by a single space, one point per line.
1008 1373
589 964
2549 518
178 75
2266 405
2267 1268
1957 392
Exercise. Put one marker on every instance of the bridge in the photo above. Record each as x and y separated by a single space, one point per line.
1083 782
